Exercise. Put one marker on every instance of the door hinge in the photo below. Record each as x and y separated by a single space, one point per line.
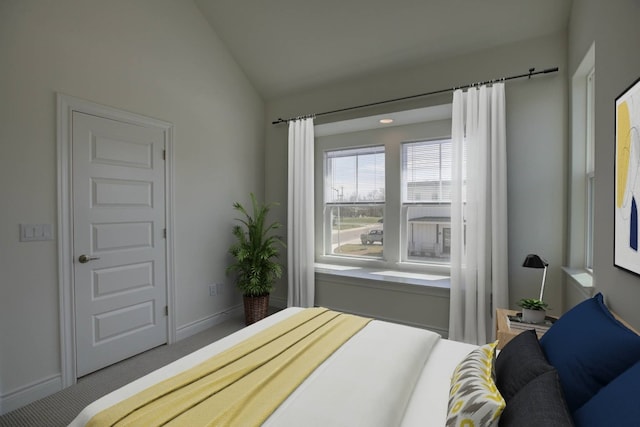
166 310
164 233
164 154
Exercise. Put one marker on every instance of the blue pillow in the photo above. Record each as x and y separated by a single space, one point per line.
616 404
589 348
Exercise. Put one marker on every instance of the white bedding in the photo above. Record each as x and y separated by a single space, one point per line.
386 375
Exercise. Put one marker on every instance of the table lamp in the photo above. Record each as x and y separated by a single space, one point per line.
534 261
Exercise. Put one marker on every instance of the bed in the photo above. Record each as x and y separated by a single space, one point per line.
393 375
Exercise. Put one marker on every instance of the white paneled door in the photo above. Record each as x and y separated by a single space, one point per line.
120 286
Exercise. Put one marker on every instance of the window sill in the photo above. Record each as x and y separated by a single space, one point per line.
385 275
580 279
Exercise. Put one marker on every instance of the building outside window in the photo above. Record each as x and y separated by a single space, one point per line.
426 201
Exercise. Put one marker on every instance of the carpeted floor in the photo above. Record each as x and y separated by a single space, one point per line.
61 408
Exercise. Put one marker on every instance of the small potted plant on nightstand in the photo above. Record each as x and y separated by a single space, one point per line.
533 310
255 252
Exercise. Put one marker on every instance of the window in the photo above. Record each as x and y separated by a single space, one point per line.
371 198
581 214
354 202
590 167
426 200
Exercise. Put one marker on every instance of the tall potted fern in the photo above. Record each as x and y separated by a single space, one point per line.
255 254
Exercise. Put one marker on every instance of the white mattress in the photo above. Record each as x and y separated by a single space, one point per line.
386 375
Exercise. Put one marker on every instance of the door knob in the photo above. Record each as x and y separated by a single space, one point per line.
84 259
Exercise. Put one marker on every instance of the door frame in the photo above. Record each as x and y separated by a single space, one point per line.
66 105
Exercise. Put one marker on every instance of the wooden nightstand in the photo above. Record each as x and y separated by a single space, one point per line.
504 333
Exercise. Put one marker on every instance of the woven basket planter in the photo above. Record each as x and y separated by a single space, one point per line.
255 308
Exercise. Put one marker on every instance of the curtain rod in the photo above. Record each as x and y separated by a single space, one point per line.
532 72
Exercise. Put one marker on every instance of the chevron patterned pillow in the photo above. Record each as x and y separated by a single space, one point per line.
474 399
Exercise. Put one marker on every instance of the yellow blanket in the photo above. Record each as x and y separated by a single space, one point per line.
243 385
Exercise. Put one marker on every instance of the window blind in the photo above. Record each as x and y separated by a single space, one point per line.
355 176
426 171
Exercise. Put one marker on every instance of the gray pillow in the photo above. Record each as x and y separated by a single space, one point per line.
539 403
520 361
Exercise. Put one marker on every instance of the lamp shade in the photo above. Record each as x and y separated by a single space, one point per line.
534 261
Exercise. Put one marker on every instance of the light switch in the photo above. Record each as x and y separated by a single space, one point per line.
35 232
27 232
47 232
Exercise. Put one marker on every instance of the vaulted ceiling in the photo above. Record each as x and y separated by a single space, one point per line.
288 45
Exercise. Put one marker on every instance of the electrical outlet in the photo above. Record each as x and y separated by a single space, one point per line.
213 290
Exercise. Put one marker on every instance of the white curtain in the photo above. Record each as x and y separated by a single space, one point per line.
300 240
479 264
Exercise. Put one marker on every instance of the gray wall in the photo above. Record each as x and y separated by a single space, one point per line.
159 58
613 25
537 156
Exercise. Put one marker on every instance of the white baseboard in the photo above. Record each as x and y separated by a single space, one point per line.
207 322
42 388
30 393
38 389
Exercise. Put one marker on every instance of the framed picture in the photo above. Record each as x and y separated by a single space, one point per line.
626 247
